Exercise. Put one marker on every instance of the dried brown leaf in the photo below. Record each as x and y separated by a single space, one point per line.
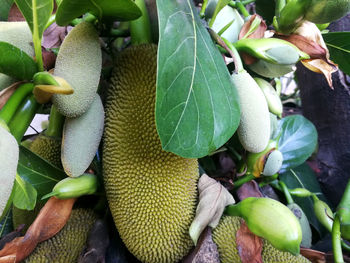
249 246
51 219
320 66
258 33
249 189
53 36
313 255
206 250
15 14
213 198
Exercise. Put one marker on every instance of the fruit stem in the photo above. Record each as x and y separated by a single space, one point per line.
236 59
140 29
204 6
242 9
23 117
233 210
56 122
246 2
9 109
242 180
286 193
336 241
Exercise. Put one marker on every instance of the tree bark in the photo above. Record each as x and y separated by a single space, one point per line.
329 110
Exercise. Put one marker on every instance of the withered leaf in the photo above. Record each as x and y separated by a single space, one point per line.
213 198
51 219
320 66
206 250
249 189
249 246
313 255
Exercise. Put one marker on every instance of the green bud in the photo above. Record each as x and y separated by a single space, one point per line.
273 100
273 163
272 50
269 70
323 214
304 223
300 192
271 220
69 187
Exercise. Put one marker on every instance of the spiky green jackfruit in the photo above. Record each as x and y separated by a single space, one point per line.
79 63
151 193
49 148
224 235
66 245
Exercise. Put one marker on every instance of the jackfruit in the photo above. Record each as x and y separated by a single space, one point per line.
79 63
19 35
48 148
9 153
81 138
224 235
152 194
66 245
254 128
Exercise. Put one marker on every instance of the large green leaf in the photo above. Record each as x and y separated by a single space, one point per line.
38 172
303 176
36 13
6 223
5 6
16 63
103 9
24 194
197 107
297 141
338 44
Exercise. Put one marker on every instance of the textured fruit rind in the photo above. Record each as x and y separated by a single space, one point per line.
254 128
9 153
79 63
48 148
152 194
81 138
66 245
224 236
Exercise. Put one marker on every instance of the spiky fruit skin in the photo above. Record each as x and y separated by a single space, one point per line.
79 63
48 148
152 194
224 236
66 245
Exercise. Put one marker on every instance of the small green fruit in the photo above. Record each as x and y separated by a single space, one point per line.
304 223
273 163
325 11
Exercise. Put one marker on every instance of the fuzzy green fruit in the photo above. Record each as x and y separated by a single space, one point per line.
273 163
79 63
48 148
81 138
254 128
325 11
9 153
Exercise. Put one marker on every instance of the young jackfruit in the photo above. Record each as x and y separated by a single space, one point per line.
254 128
81 138
66 245
224 235
48 148
79 63
19 35
151 193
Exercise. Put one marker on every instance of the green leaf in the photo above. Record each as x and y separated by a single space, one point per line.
6 223
5 6
338 44
197 107
38 172
36 13
122 10
16 63
25 194
304 177
297 141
